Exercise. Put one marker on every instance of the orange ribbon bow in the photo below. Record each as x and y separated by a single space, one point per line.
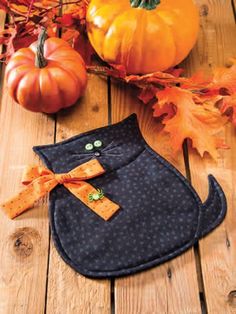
40 180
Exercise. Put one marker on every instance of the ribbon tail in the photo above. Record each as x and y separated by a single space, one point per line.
28 196
104 207
87 170
33 172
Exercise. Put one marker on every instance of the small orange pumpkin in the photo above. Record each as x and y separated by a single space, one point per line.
47 76
143 35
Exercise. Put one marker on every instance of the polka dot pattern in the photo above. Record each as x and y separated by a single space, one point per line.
160 214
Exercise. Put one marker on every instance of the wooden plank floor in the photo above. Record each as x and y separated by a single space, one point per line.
34 279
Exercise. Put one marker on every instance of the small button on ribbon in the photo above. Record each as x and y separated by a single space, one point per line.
95 196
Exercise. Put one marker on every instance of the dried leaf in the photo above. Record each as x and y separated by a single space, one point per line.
224 78
186 120
66 20
27 17
147 94
228 107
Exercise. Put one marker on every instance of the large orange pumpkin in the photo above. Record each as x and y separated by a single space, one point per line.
143 35
47 76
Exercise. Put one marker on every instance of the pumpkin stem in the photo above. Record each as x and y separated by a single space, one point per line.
40 61
145 4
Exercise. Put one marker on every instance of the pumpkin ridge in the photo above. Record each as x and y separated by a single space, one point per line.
19 61
119 54
25 52
126 62
102 8
39 95
75 80
16 66
53 82
108 29
173 37
17 78
60 55
18 90
70 73
178 17
141 35
79 78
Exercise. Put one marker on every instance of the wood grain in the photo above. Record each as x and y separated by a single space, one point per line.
82 295
218 250
171 287
25 240
2 23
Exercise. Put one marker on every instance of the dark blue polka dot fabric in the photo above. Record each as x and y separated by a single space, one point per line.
160 214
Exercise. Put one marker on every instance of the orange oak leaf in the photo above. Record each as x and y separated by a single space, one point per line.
187 120
228 107
224 78
147 94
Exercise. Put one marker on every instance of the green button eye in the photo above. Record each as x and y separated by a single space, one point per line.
97 143
89 146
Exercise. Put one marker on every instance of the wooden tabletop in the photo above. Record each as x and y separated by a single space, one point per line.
34 279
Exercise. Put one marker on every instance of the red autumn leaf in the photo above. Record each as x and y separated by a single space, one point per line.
66 20
147 94
175 71
190 121
6 38
21 2
83 46
4 5
70 35
74 15
46 3
24 41
78 11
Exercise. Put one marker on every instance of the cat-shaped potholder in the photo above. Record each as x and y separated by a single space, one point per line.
157 214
